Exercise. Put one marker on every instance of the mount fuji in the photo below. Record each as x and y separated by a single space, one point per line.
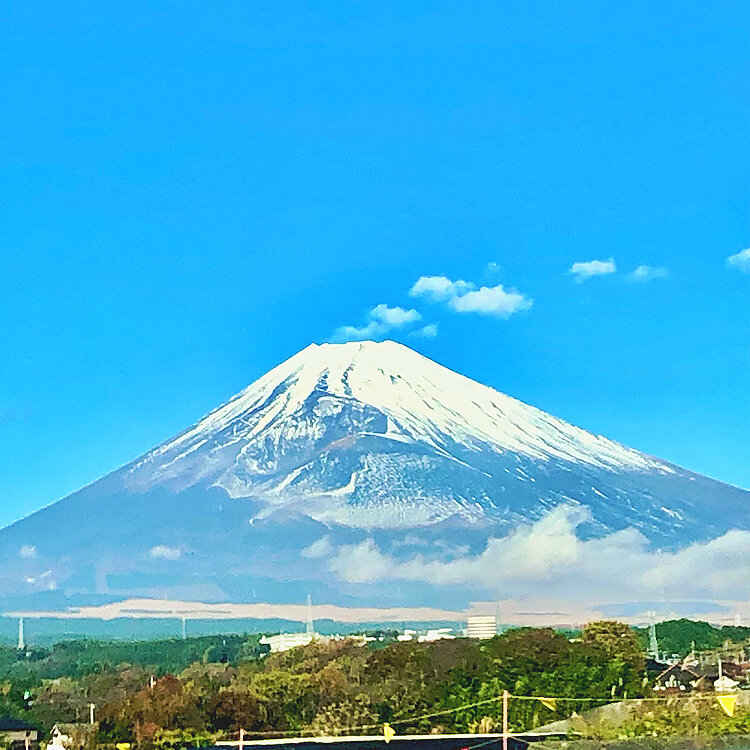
340 445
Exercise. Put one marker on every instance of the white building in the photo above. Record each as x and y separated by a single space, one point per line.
481 626
407 635
724 684
285 641
436 634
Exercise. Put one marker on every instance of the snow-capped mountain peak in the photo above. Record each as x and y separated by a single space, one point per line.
322 431
418 399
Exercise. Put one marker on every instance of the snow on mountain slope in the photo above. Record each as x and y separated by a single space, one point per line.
383 389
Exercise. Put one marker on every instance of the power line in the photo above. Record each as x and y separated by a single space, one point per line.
495 699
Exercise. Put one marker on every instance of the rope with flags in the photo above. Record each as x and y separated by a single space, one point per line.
727 702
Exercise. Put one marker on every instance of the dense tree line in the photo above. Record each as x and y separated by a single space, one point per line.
679 636
333 687
80 657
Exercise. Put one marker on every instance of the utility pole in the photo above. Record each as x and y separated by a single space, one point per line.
505 719
92 706
241 743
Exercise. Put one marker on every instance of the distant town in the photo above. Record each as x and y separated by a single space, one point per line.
477 626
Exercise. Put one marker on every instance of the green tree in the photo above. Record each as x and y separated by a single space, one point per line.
616 639
348 716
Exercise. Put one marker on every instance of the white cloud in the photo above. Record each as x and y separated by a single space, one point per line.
459 295
547 559
163 552
426 332
491 300
395 317
439 288
719 567
365 563
319 548
740 260
584 270
27 551
196 610
463 297
648 273
380 321
372 330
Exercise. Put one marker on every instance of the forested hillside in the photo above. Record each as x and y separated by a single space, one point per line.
324 687
159 693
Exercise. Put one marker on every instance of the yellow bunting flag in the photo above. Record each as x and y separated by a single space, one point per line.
388 732
551 703
727 702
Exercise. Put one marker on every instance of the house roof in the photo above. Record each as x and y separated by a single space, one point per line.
679 669
9 724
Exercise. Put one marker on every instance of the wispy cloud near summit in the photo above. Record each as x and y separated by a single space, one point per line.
380 321
426 332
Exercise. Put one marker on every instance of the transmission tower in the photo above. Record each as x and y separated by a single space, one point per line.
653 644
310 628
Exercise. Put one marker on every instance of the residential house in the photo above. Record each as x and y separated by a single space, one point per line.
676 679
17 734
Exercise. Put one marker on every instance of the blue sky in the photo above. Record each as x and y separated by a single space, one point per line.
191 193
